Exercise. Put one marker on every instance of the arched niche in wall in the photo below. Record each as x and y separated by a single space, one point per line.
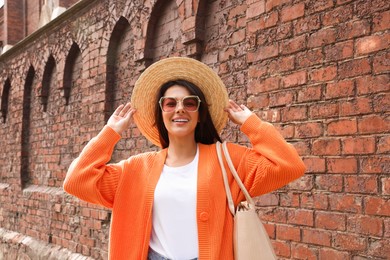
117 56
120 79
26 120
72 70
47 81
5 100
163 32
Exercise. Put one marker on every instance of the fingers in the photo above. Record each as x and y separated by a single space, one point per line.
124 110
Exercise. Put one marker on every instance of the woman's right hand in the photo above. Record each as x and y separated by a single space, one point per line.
121 119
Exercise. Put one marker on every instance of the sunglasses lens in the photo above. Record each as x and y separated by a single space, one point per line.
168 104
190 103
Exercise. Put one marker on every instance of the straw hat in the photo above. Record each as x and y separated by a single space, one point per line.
175 68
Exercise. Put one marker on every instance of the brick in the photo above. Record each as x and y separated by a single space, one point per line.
339 51
289 199
372 84
354 68
359 106
381 21
255 9
372 43
361 184
314 164
262 53
373 124
307 24
288 233
333 183
309 58
316 237
293 113
323 74
292 12
349 242
322 37
330 221
304 252
338 15
227 54
358 145
377 164
300 217
293 45
383 145
314 200
237 11
281 64
304 183
294 79
340 89
278 215
261 86
346 203
317 6
281 248
342 165
308 94
280 98
353 29
379 248
381 63
309 130
365 225
324 110
258 102
331 254
265 21
382 103
271 4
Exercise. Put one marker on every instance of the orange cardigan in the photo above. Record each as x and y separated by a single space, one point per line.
128 187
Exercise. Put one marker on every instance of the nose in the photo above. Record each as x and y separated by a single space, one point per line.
179 105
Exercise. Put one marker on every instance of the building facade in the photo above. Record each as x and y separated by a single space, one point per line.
318 70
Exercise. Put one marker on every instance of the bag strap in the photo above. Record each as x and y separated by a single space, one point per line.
235 175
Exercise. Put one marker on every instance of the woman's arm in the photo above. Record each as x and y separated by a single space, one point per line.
271 162
89 177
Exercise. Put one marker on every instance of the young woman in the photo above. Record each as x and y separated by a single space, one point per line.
171 204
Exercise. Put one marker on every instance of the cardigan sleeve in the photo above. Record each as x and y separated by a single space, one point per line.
271 162
89 177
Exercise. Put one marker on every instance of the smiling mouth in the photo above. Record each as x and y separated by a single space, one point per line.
180 120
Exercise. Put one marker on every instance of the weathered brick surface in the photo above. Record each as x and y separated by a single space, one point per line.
318 70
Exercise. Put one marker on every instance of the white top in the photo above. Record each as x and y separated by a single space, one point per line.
174 228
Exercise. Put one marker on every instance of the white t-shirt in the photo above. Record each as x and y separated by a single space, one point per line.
174 228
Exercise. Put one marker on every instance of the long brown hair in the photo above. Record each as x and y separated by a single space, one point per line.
205 131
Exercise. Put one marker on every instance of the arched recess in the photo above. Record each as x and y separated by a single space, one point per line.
73 58
5 100
120 79
163 32
46 81
26 120
116 47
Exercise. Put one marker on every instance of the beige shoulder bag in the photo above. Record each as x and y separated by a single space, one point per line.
251 241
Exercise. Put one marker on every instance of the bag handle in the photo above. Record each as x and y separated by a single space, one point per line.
235 175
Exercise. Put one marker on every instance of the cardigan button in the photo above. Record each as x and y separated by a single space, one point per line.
204 216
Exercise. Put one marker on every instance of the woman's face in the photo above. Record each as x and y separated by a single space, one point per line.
180 123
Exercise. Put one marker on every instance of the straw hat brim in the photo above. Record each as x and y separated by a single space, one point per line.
148 84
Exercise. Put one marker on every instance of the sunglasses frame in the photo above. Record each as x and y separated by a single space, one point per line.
178 101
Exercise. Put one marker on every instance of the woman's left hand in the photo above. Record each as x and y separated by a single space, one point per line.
237 113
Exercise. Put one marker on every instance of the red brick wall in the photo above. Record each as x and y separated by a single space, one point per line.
318 70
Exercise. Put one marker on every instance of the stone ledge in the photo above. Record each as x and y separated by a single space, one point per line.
14 245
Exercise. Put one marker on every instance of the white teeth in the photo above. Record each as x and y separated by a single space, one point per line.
180 120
